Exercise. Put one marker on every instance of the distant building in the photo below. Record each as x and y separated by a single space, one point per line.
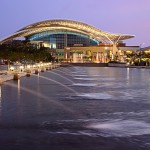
75 41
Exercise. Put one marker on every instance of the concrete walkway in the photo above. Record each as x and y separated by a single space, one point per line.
6 75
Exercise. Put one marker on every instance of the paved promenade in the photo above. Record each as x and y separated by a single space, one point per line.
6 75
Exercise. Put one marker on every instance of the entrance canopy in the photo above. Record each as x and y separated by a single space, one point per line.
68 26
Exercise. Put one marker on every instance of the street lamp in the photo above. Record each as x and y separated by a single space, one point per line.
12 68
21 68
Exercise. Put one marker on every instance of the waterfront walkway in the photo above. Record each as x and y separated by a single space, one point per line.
6 75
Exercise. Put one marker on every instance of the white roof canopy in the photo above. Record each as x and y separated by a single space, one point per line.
68 25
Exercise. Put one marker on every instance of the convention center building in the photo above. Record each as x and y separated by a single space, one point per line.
73 41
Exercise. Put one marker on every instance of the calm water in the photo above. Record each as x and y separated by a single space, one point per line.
77 108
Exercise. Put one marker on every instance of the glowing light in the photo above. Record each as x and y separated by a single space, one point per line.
21 67
19 87
28 66
11 68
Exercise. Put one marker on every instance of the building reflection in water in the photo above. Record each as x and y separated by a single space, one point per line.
0 92
18 87
0 98
128 75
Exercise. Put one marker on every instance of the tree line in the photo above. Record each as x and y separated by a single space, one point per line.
24 51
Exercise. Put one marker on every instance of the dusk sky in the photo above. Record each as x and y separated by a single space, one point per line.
116 16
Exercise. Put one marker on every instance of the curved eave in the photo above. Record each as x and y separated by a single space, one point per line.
106 36
122 37
67 25
29 32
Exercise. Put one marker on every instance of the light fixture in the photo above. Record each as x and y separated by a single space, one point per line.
11 68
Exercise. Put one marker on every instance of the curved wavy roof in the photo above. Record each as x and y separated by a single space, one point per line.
67 25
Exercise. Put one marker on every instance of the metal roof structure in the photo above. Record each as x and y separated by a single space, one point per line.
145 48
67 25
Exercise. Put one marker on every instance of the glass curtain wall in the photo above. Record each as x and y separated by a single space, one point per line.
58 40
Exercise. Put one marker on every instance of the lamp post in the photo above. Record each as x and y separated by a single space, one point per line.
21 68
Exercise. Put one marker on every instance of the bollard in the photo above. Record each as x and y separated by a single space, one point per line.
28 73
36 71
42 69
16 76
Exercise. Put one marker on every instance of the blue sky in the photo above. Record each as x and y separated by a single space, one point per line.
116 16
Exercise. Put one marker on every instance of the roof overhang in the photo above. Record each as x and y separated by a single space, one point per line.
67 25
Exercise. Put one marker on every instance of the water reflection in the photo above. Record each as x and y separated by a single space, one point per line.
128 75
61 84
34 93
99 102
0 99
61 76
64 72
18 87
0 92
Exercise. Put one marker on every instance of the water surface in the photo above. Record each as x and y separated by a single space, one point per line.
86 108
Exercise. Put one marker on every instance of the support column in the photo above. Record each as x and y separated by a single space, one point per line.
66 56
114 51
97 57
75 57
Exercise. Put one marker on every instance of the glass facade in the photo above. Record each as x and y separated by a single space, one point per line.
61 39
